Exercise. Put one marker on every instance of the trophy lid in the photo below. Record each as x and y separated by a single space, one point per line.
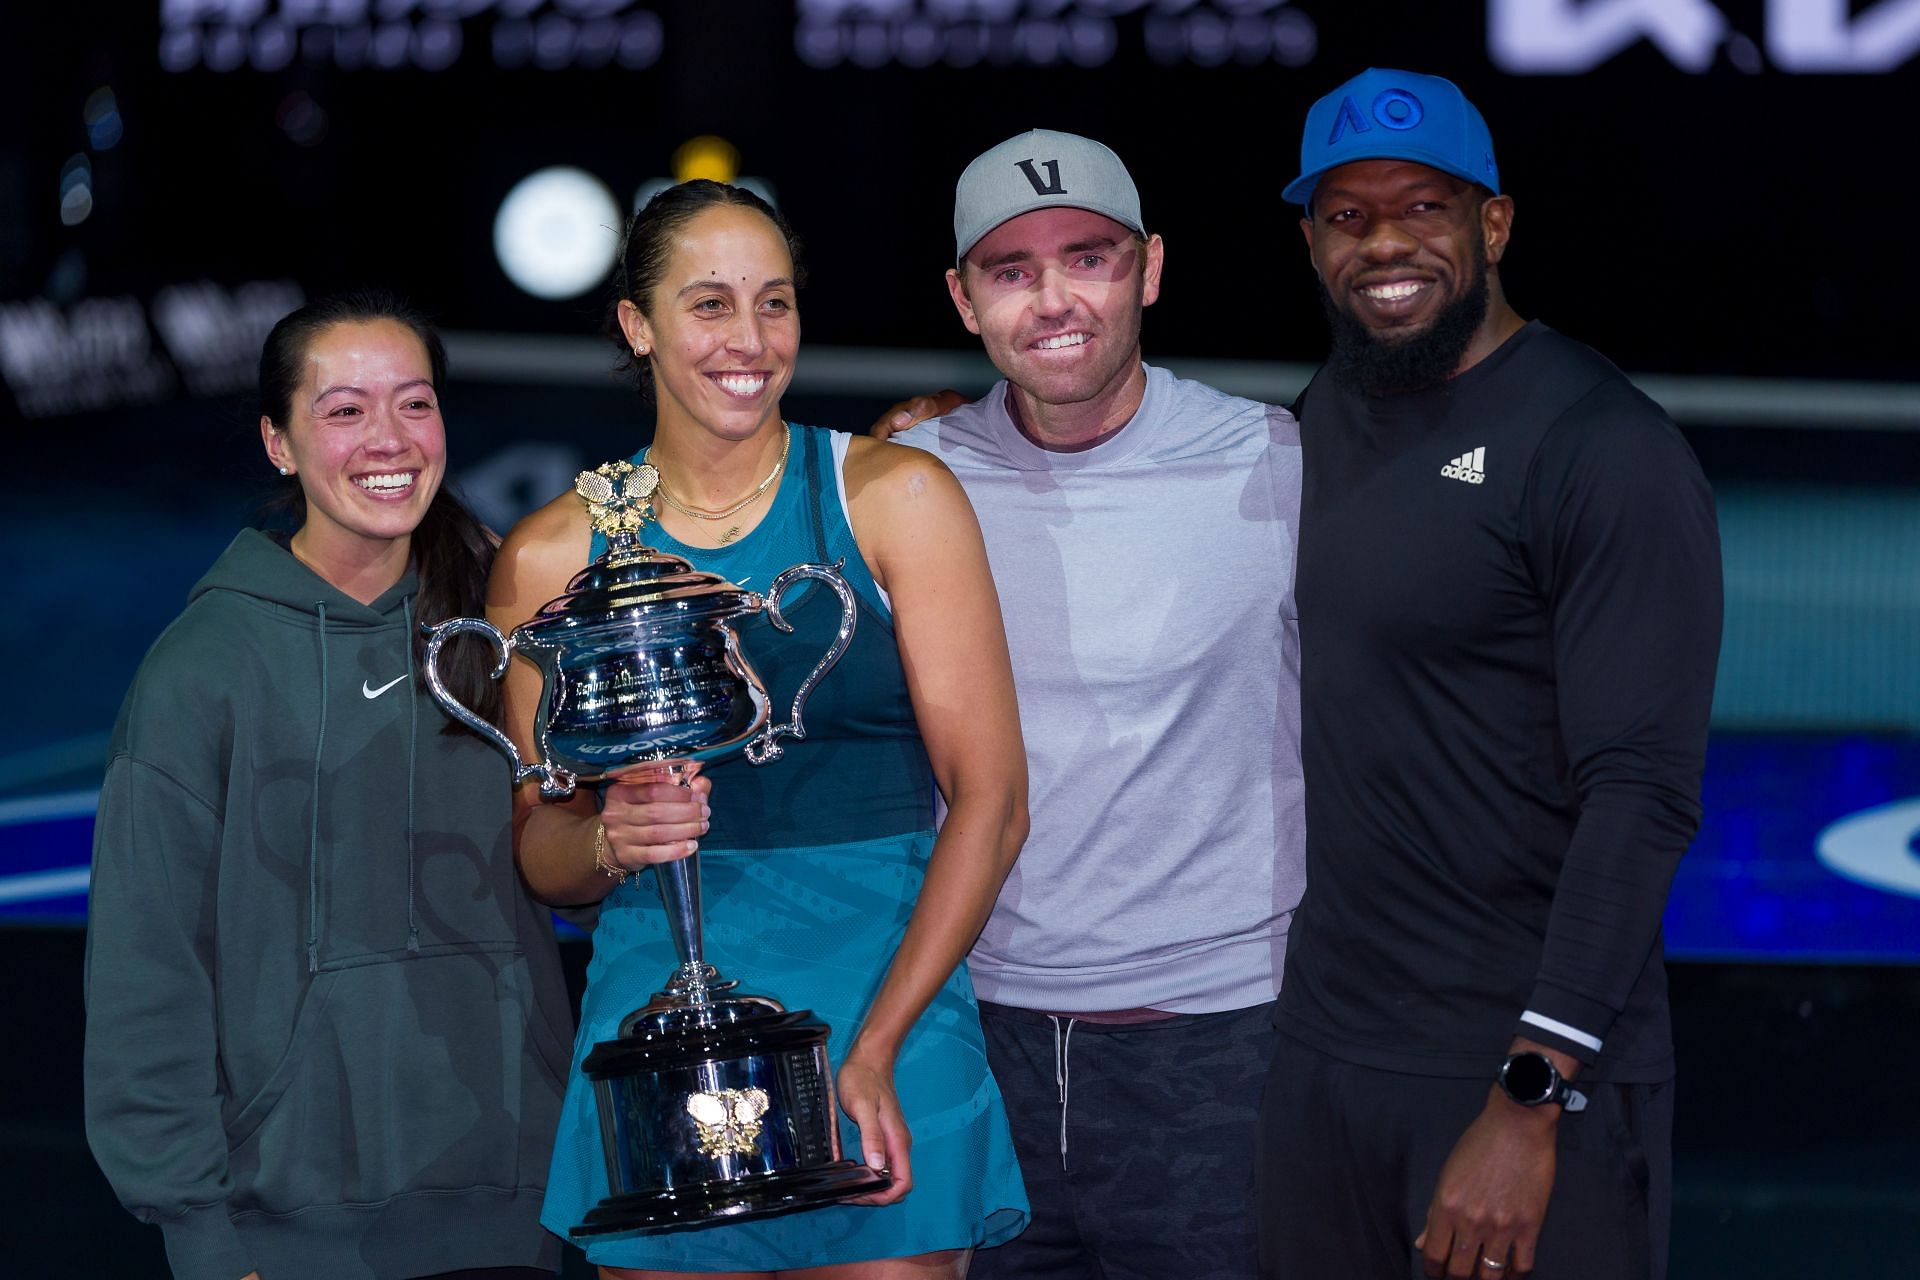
630 579
629 576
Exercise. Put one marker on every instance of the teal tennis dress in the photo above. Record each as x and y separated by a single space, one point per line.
808 874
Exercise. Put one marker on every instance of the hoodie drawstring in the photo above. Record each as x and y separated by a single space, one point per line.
413 751
313 830
319 749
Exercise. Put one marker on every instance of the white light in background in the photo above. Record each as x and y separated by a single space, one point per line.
557 233
102 118
76 190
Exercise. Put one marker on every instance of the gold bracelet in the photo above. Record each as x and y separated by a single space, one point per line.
613 871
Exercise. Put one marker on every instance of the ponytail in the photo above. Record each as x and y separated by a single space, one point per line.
452 555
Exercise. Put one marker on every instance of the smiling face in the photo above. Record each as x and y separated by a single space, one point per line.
364 438
1056 296
1395 243
721 329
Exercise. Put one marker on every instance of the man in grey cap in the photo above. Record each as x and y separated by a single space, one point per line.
1141 530
1509 589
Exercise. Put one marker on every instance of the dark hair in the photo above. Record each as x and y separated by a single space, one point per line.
451 550
648 246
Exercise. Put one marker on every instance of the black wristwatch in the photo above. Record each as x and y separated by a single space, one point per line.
1531 1079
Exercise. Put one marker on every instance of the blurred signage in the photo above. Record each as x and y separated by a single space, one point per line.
214 334
99 353
1806 851
424 35
96 353
1524 37
1879 847
1567 37
1045 33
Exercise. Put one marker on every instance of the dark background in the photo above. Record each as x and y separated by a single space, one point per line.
1734 221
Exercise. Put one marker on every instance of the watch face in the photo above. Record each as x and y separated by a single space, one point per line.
1528 1078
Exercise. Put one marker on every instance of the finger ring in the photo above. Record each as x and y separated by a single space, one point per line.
1491 1265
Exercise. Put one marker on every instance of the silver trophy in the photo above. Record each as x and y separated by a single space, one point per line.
715 1106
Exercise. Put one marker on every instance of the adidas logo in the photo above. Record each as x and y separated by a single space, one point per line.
1470 467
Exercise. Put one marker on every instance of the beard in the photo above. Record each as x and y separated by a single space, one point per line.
1363 361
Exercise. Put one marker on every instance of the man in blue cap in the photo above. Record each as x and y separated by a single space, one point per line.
1509 595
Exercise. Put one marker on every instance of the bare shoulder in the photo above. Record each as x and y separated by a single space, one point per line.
888 477
540 554
909 515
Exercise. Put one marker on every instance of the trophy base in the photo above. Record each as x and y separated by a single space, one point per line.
760 1195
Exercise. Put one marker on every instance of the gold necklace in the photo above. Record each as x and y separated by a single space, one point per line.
697 513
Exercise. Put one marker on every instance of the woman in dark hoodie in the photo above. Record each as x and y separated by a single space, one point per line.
326 1030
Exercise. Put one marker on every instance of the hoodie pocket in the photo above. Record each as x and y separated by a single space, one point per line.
312 1015
413 1075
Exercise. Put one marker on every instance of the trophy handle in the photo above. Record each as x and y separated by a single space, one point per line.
555 783
765 746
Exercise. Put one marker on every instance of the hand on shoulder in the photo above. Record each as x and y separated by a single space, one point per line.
910 412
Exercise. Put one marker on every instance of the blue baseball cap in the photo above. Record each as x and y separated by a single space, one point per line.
1394 115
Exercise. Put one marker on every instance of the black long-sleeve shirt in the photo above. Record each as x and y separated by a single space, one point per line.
1509 594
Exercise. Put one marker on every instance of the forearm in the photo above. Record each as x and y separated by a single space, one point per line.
1607 908
573 854
976 848
554 847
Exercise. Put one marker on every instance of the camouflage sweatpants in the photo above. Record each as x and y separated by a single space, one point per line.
1136 1142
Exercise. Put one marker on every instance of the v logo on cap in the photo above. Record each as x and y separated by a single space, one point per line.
1051 187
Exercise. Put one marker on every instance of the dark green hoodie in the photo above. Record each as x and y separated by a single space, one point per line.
326 1028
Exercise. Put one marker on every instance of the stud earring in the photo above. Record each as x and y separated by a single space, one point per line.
286 471
640 350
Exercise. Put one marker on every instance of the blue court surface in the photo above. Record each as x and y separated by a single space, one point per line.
1810 851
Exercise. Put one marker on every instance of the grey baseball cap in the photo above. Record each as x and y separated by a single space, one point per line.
1041 169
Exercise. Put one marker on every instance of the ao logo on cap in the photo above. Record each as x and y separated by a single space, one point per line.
1392 108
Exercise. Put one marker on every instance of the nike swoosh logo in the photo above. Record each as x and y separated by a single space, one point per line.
369 692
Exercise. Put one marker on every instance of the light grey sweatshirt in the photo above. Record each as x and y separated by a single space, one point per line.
1147 585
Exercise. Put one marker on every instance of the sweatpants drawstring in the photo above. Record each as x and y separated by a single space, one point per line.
1062 1076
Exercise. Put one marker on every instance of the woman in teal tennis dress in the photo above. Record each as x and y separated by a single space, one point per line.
824 884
